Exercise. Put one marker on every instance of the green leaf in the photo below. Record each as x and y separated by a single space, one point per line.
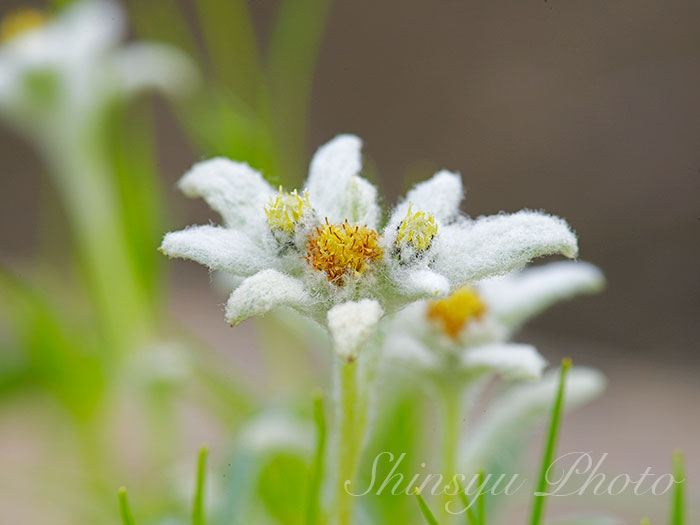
198 506
124 510
550 447
678 505
425 509
227 29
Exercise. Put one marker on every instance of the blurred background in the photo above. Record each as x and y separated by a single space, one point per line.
588 110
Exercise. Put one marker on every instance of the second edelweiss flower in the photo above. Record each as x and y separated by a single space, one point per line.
316 249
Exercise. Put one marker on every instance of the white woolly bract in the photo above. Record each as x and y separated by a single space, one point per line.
264 291
467 251
510 360
351 324
216 248
233 189
518 297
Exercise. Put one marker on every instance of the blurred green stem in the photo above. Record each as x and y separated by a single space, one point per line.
89 197
451 413
350 431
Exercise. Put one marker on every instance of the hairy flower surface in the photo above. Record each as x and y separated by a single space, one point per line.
321 247
468 332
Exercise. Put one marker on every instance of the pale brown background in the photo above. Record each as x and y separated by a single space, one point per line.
587 109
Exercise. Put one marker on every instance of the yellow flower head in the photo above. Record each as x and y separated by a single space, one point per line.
338 249
285 210
20 21
455 311
417 229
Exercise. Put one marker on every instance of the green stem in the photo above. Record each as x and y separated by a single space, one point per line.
349 440
451 405
312 506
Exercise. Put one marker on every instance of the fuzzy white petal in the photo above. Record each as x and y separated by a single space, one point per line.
351 324
419 284
440 195
233 189
155 66
469 251
335 189
361 203
264 291
217 248
514 361
519 409
405 350
516 298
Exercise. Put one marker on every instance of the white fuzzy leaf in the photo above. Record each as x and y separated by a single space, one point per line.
335 189
469 251
516 298
217 248
143 66
233 189
264 291
513 361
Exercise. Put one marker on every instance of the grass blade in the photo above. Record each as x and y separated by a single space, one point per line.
678 505
472 518
427 513
550 447
312 509
645 522
198 506
480 500
124 510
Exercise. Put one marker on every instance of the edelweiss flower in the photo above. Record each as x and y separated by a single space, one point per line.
320 251
466 334
56 73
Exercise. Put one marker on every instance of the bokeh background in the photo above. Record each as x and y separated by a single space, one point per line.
589 110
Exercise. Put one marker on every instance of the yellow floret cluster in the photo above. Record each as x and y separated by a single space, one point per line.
455 311
417 228
20 21
339 249
286 209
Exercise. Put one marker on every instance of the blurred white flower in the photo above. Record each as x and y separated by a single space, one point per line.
58 74
318 248
467 334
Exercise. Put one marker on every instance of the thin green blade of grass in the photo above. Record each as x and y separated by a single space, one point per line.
198 506
312 509
472 518
480 500
539 500
124 510
424 508
678 497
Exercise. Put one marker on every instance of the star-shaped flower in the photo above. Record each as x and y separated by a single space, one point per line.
320 249
466 334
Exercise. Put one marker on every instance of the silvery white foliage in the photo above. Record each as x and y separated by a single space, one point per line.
55 79
275 272
515 411
414 341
